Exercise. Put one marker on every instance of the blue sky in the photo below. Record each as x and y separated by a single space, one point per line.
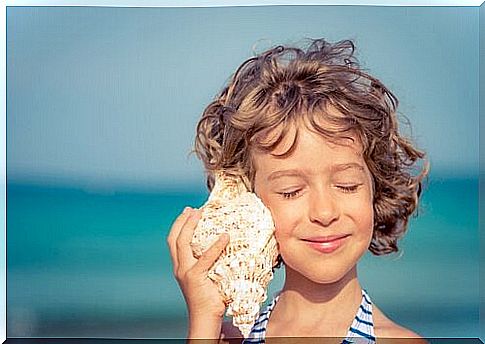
102 96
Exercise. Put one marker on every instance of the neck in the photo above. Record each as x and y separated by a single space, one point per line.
331 303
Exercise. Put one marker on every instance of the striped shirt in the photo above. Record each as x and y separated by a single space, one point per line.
360 332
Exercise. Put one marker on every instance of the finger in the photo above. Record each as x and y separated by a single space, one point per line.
177 225
184 251
174 232
210 256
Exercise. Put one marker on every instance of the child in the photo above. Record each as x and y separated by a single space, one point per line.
316 138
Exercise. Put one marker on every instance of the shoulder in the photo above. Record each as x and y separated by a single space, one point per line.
387 331
229 331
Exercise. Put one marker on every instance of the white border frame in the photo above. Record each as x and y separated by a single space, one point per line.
140 3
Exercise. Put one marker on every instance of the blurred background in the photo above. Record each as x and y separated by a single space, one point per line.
102 105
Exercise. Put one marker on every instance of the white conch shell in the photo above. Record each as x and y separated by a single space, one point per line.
244 269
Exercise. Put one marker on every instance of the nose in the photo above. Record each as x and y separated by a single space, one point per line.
324 208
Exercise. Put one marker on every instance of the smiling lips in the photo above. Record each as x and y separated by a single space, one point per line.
326 244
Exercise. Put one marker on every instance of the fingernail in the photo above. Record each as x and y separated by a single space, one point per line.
224 236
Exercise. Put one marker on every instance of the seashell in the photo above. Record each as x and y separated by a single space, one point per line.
245 268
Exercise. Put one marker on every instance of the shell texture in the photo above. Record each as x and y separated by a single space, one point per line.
245 268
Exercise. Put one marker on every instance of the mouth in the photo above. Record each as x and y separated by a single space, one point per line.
326 239
326 244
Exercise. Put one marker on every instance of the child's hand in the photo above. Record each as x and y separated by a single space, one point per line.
200 293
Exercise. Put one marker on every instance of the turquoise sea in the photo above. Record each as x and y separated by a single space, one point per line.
82 263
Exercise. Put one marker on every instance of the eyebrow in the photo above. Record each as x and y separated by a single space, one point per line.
342 167
299 172
286 173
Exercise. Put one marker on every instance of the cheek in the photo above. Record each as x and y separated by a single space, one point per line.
286 220
366 222
362 210
279 211
280 219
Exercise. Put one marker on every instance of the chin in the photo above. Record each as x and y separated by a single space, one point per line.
321 276
326 279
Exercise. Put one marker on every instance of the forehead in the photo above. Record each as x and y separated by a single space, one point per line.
317 137
303 147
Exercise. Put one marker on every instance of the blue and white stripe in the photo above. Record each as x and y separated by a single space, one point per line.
360 332
258 331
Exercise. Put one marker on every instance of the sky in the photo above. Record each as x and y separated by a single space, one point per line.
103 96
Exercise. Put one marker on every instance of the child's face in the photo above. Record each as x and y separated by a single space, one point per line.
310 197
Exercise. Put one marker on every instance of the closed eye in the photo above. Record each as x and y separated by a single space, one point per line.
348 189
290 194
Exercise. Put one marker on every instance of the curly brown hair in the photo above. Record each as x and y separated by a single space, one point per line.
271 91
